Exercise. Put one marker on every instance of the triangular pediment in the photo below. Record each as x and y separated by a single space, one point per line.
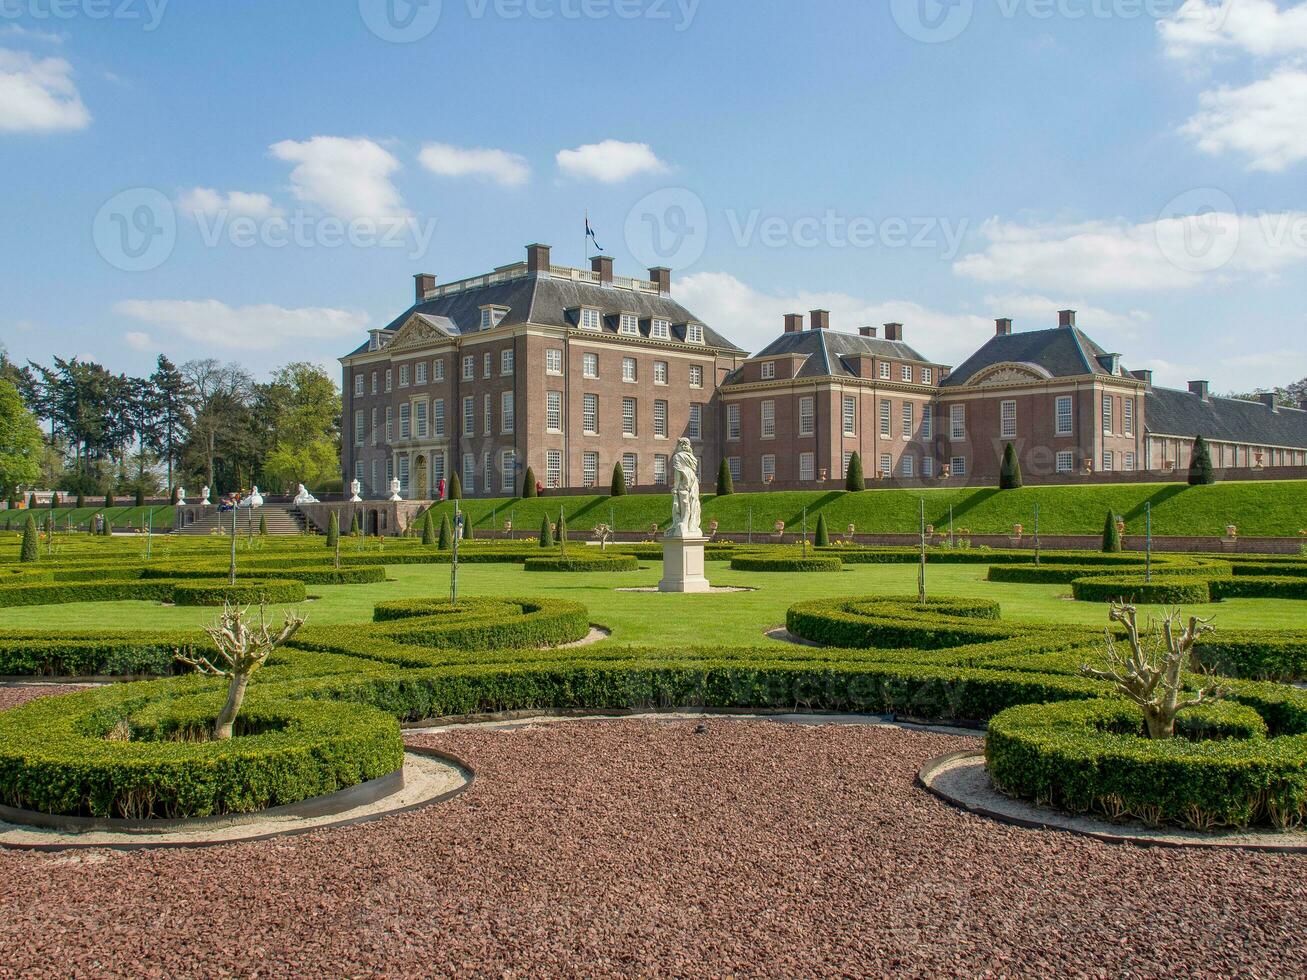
418 331
1008 373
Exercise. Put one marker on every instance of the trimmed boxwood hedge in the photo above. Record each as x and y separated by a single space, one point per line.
1052 573
1169 590
201 593
1260 587
603 562
796 563
192 592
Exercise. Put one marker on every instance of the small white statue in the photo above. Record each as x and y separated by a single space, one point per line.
255 499
204 498
355 488
685 493
302 496
394 490
181 496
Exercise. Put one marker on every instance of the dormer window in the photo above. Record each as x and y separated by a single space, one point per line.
694 333
491 315
768 370
629 325
589 318
660 329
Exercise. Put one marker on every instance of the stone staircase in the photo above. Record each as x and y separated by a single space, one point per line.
280 518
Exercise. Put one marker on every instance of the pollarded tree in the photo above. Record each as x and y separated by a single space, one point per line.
1201 473
853 477
31 549
618 488
529 484
1009 471
1151 674
242 649
725 485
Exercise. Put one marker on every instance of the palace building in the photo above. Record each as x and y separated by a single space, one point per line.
570 371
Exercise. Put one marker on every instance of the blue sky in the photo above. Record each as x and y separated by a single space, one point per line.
259 181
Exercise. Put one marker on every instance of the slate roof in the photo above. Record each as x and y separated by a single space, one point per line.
1170 412
1061 351
829 353
544 300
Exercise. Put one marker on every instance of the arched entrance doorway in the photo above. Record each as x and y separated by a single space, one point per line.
421 487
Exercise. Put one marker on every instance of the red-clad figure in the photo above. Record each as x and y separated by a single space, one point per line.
442 488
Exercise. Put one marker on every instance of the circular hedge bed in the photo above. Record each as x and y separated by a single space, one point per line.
583 563
789 563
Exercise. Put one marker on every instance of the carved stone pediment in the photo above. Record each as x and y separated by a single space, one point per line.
417 331
1008 373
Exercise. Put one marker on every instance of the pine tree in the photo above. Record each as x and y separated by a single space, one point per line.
263 525
31 550
446 540
429 528
822 537
1111 536
171 406
455 487
618 489
1009 471
529 484
546 533
725 485
853 478
333 531
1201 473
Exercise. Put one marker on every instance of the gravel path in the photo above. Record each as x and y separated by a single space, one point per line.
642 847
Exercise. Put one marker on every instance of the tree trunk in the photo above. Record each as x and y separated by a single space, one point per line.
227 717
1160 724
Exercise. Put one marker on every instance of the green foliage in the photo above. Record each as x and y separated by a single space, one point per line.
54 500
1201 473
31 547
354 527
446 541
1009 471
81 500
822 538
1170 590
561 533
546 532
333 530
455 487
467 530
429 528
529 485
140 497
263 525
1111 536
618 487
791 563
21 442
606 561
853 479
108 501
725 485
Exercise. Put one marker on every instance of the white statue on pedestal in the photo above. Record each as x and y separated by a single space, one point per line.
302 496
255 499
204 498
355 488
685 493
181 496
394 490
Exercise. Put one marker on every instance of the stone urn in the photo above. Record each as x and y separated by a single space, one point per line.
1231 531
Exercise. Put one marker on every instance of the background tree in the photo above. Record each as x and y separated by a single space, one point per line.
1201 473
725 485
21 442
529 484
221 441
1111 535
618 488
1009 471
31 548
299 413
172 415
853 479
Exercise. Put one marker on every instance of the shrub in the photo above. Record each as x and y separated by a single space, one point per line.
1260 587
455 487
333 531
1201 472
618 487
795 563
602 562
853 479
1111 536
822 537
1168 590
1009 470
31 547
529 484
354 527
725 485
467 527
446 541
546 532
108 501
429 528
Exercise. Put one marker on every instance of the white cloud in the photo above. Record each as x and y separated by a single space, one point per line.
752 318
498 166
38 95
1166 253
349 178
1035 312
207 201
139 340
1265 121
610 162
1256 27
261 327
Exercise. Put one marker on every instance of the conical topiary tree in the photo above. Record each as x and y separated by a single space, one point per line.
529 484
429 528
108 500
333 531
1111 536
263 525
54 500
446 539
31 502
562 528
1009 471
1201 473
81 499
140 496
455 487
546 533
31 549
853 478
618 489
725 485
467 526
354 525
172 497
822 538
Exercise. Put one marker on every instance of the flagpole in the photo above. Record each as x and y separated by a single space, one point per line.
587 236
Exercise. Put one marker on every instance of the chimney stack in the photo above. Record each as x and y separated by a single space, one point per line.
1203 389
893 331
819 319
1003 326
1268 399
1066 318
867 331
537 258
424 283
793 322
603 265
661 276
1145 376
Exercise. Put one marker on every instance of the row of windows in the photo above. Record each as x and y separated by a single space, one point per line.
906 372
628 324
416 372
908 466
848 419
422 420
630 414
630 368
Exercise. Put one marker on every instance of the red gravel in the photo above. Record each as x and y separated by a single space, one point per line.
12 697
642 847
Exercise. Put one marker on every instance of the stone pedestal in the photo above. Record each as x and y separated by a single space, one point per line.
683 565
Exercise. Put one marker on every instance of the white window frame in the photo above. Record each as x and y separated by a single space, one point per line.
886 418
360 428
508 471
660 419
885 369
733 421
733 466
807 416
885 465
630 466
694 333
389 376
553 360
403 375
630 417
1128 415
405 420
909 418
849 415
358 384
420 419
905 372
958 466
507 362
1109 415
589 365
696 375
590 414
487 364
589 468
469 415
660 469
630 370
469 367
928 466
590 318
438 369
807 466
767 467
629 325
660 329
1064 409
420 373
438 417
507 413
554 411
957 416
1008 418
906 465
768 369
661 372
927 376
1064 461
767 421
469 473
694 428
553 469
487 414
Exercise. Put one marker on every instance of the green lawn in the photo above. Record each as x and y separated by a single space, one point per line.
657 620
1256 508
